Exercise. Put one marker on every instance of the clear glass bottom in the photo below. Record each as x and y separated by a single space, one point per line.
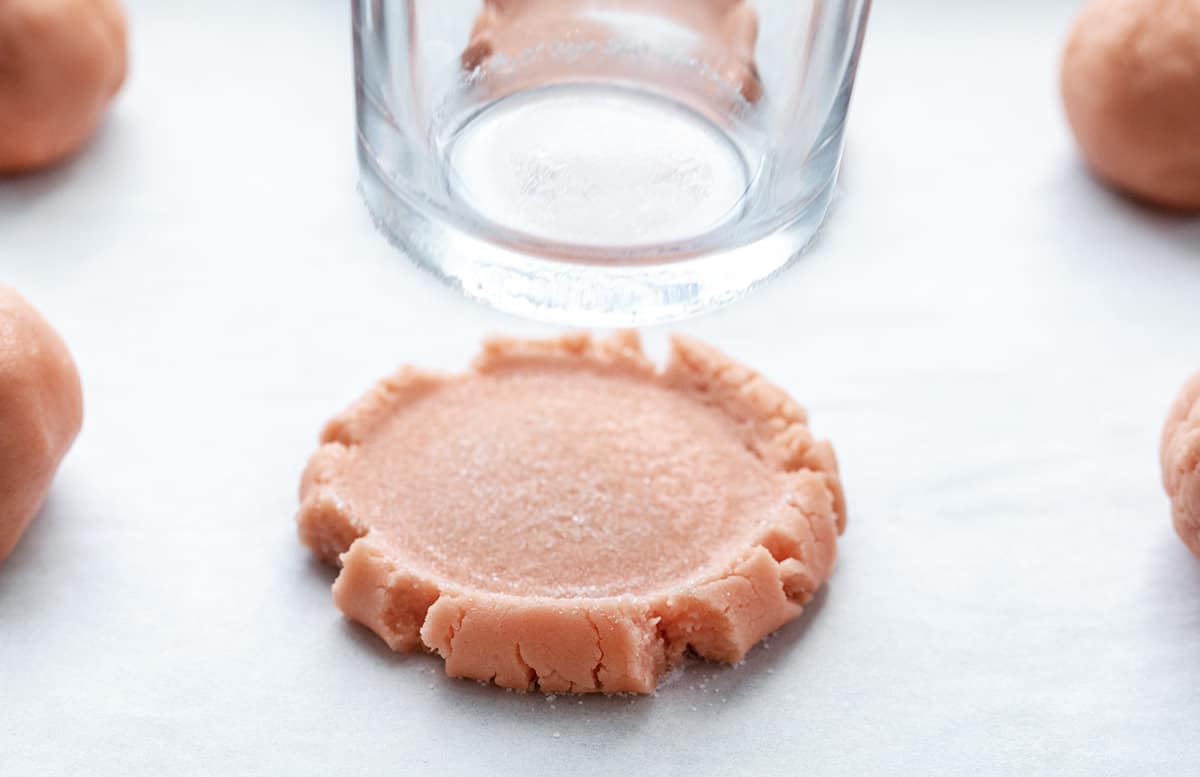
593 205
598 165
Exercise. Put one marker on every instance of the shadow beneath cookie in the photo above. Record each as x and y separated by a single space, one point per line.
369 643
36 551
28 187
320 569
764 661
1179 230
575 713
1179 571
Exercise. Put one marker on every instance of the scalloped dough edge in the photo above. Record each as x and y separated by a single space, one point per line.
609 644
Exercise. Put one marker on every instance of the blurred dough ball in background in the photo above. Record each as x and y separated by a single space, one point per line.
41 410
1180 455
61 61
1131 87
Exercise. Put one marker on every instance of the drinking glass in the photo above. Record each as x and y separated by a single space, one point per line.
603 162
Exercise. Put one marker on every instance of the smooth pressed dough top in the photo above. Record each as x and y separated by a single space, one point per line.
561 482
567 517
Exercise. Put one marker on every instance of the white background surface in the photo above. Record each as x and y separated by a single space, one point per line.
990 339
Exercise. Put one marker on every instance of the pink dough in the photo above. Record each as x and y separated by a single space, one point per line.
41 409
565 517
724 32
1180 454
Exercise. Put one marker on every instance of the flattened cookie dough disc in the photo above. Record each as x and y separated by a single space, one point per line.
565 517
1180 456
